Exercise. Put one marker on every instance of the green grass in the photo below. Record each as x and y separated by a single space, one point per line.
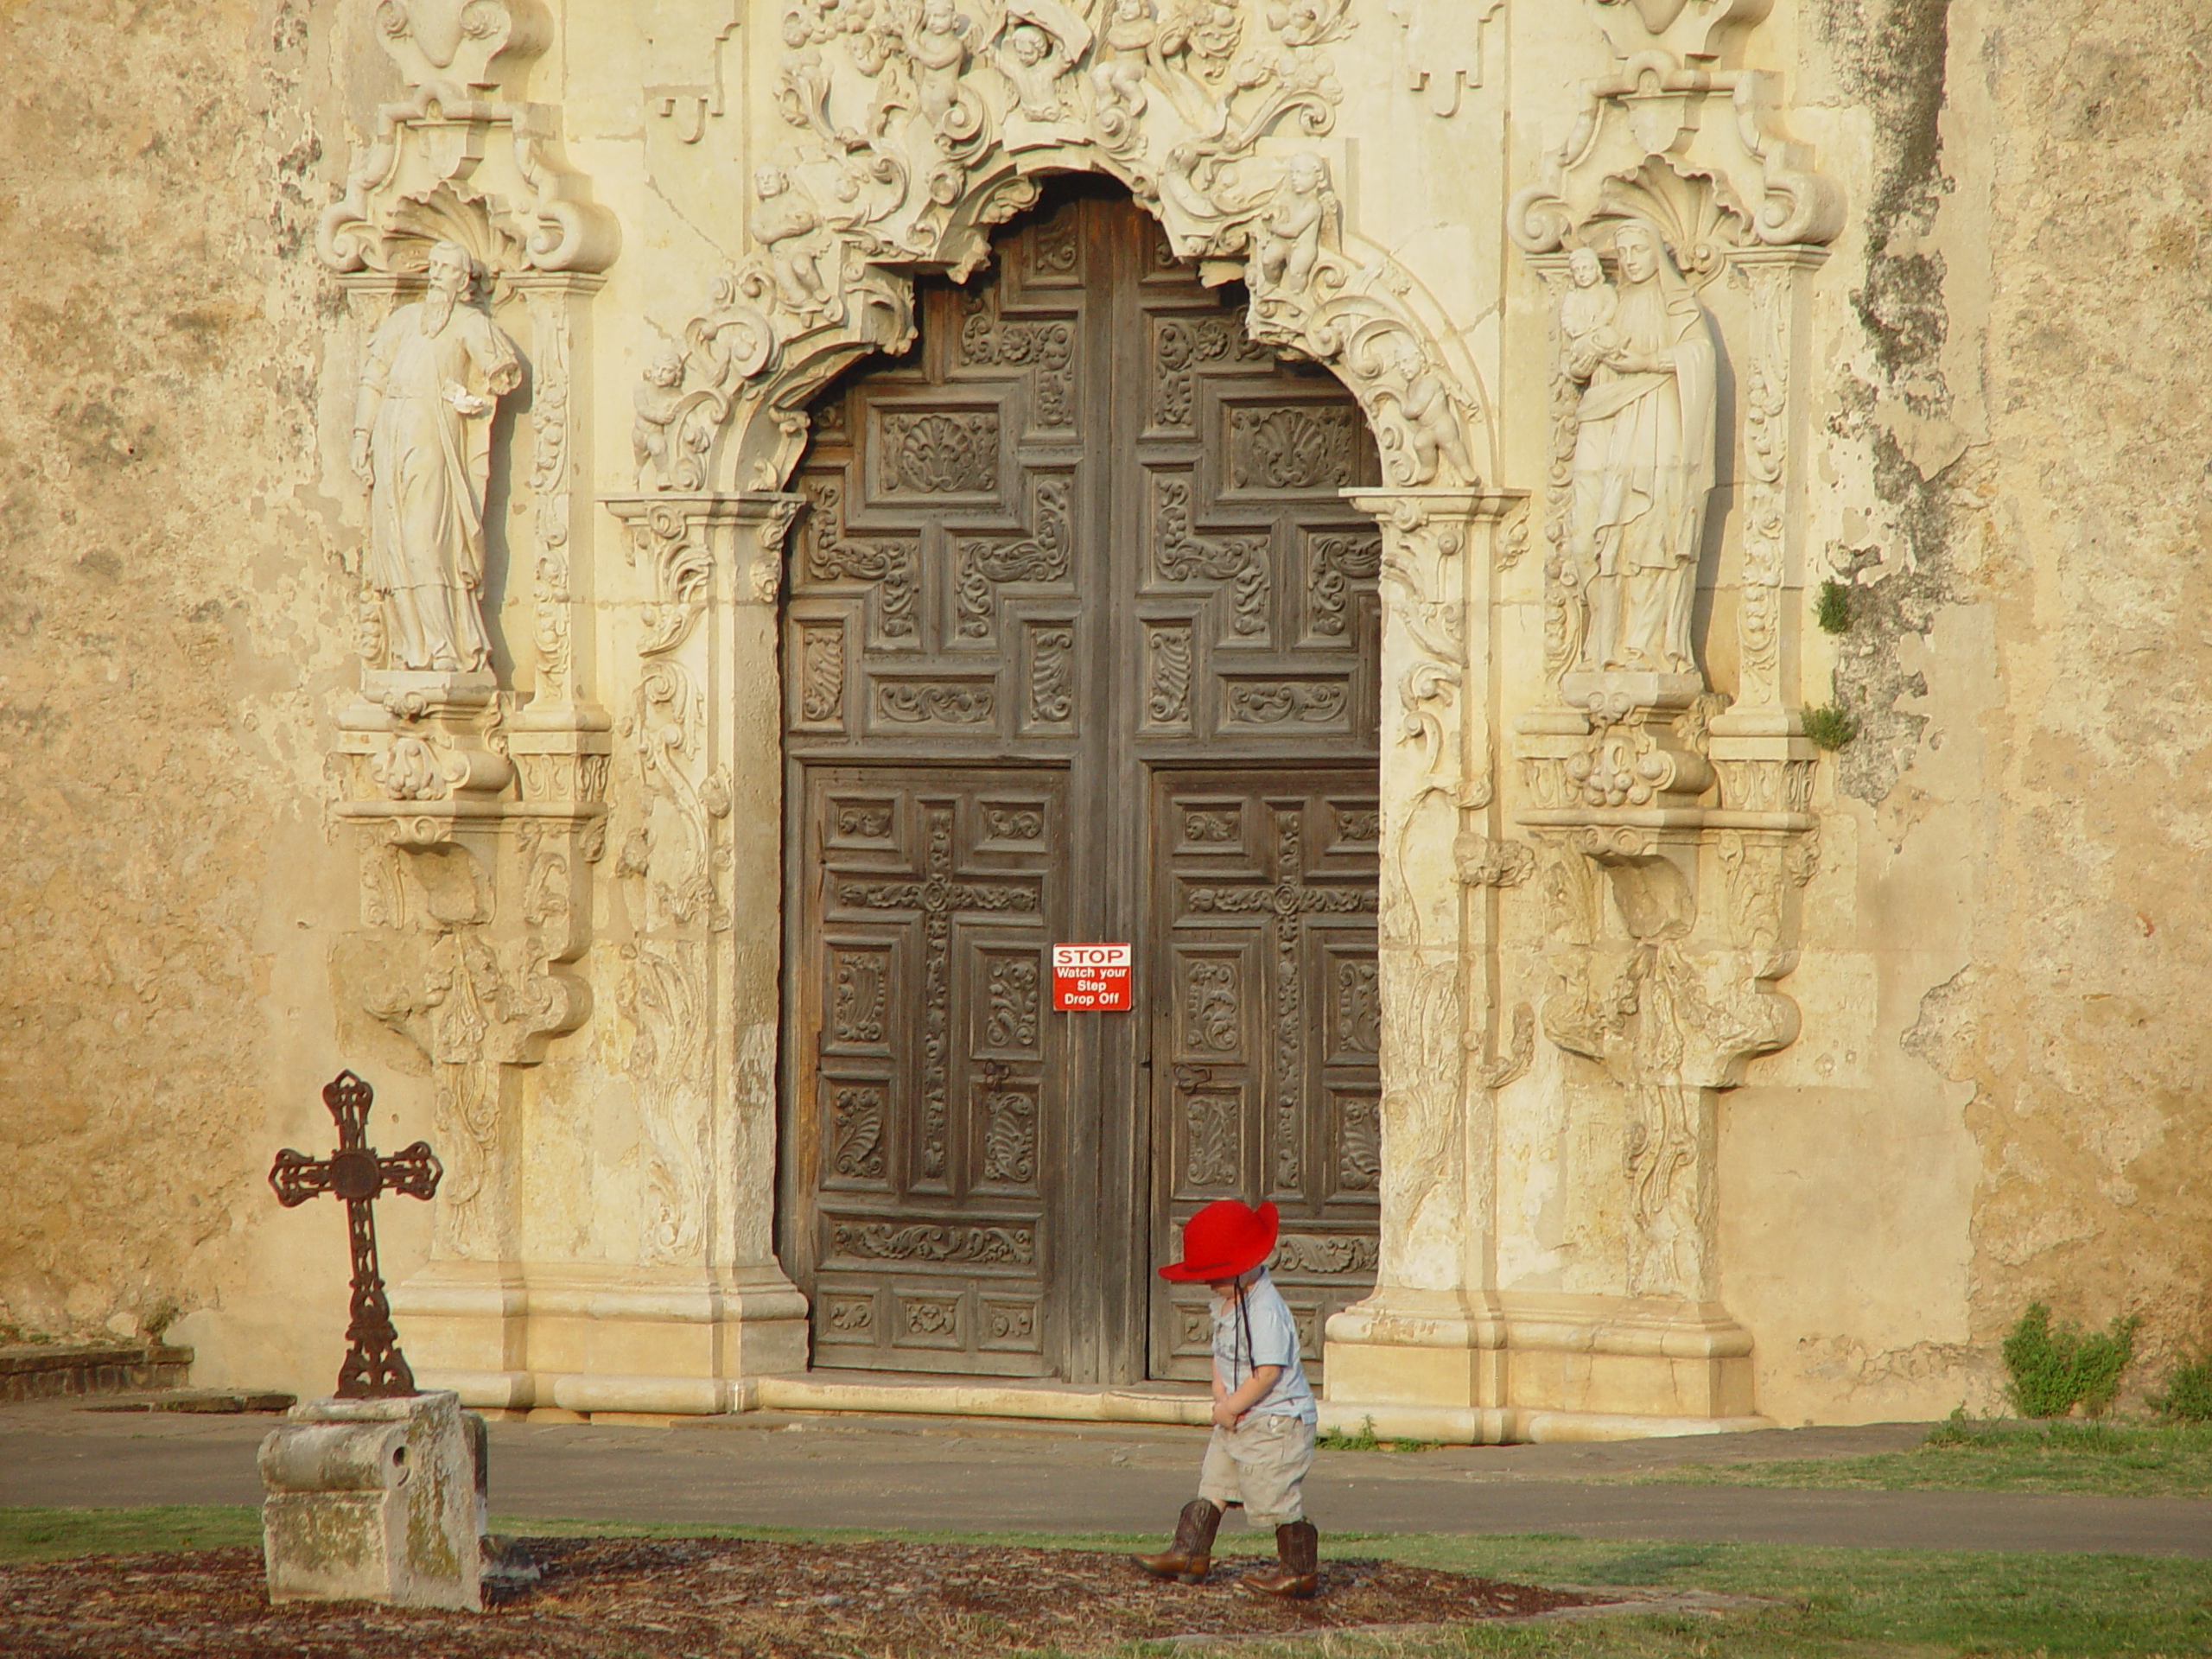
1337 1439
46 1534
2114 1459
1836 1604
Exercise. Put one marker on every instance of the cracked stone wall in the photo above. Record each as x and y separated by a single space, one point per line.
2073 243
168 648
2017 493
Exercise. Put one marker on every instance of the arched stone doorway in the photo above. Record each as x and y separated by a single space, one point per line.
1082 643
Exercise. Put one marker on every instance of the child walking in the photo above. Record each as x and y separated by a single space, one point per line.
1263 1413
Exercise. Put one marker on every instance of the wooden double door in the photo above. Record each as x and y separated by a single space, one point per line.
1081 646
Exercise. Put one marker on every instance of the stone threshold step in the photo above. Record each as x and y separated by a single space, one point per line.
40 1370
590 1397
1164 1403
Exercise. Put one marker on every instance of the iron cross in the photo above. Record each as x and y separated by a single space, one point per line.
374 1367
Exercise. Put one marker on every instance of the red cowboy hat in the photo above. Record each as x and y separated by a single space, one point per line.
1223 1239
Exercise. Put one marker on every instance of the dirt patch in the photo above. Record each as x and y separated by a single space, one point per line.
686 1597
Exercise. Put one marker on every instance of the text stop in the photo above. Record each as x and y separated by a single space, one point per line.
1090 978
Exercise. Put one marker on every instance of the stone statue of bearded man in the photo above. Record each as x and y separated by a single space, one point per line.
421 443
1643 463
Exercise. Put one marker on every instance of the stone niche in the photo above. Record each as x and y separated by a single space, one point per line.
1632 943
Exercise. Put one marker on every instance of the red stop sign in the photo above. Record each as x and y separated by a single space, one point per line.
1090 979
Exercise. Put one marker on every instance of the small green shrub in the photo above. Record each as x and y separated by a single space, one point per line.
1830 726
1832 609
2056 1368
2187 1397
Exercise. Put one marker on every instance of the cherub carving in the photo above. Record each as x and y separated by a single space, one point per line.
936 44
1033 61
1586 315
1287 246
1131 33
659 397
1432 416
782 224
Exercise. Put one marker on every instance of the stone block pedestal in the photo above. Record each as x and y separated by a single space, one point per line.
519 1337
1553 1367
374 1500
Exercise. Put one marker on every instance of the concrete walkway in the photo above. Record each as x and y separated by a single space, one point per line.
772 1469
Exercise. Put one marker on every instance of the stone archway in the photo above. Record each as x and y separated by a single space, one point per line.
1082 643
826 286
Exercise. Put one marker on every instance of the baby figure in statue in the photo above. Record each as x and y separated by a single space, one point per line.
1586 315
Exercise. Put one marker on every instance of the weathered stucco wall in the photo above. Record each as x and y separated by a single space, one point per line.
2076 149
166 666
1999 1089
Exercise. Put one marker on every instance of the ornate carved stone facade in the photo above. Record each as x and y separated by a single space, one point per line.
1624 300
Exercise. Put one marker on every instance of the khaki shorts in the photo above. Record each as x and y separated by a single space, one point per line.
1261 1463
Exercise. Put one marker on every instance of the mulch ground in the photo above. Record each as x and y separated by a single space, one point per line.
672 1599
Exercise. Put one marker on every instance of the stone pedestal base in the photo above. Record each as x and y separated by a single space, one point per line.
372 1500
517 1337
1628 1367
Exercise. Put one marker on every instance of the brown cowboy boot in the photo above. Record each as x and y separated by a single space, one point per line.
1191 1556
1297 1572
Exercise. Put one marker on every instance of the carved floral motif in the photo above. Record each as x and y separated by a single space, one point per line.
885 1241
983 565
911 127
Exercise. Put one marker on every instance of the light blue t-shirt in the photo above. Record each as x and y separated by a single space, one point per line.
1273 1342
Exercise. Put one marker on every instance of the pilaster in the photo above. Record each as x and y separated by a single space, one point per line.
1427 1334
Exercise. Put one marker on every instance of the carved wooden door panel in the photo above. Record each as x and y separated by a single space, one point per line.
1076 562
922 980
1266 1026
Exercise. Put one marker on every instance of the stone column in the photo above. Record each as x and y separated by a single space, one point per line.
1428 1335
1775 415
700 1304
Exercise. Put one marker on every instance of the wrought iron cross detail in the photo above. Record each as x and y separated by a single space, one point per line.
374 1369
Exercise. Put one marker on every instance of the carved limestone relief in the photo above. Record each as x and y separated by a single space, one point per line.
1443 44
459 157
421 443
1671 821
472 911
1436 823
916 125
702 1071
477 814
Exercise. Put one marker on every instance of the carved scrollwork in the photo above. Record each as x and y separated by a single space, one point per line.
1012 1245
983 565
914 127
1658 124
935 702
502 191
1274 702
1045 347
1336 563
1010 990
1167 675
1212 1141
1212 1011
1240 561
856 1132
892 564
1052 693
1324 1253
1179 346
